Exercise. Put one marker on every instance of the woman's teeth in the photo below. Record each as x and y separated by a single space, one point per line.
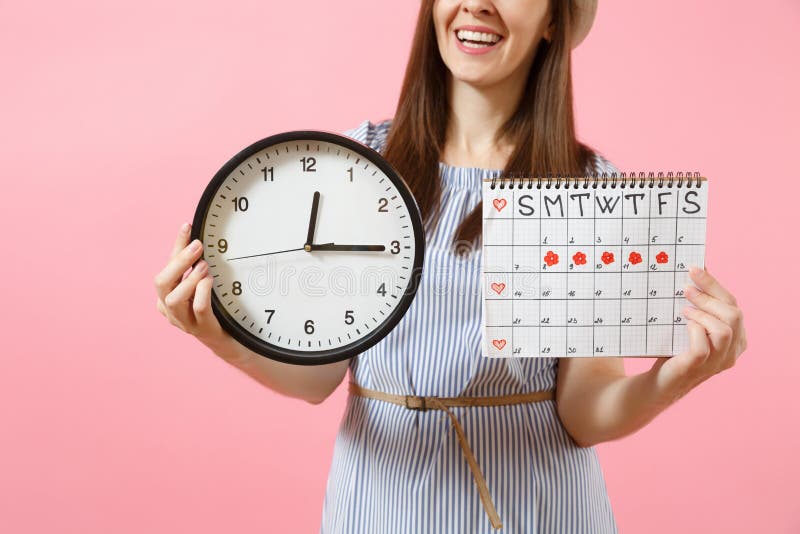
477 39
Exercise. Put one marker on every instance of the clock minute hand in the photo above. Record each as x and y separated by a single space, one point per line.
312 223
349 248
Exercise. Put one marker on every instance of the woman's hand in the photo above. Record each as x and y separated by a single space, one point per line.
716 337
186 301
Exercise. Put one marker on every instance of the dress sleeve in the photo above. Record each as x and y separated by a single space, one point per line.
599 164
372 134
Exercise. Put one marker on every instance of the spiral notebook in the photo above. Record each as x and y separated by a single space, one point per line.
590 265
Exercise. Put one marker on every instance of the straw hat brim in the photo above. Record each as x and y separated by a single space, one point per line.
585 11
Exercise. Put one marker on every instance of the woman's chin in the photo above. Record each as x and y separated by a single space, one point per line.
471 77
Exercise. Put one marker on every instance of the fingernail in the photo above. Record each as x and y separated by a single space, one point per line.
690 291
686 311
201 267
194 246
185 227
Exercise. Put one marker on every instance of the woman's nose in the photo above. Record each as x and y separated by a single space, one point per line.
485 7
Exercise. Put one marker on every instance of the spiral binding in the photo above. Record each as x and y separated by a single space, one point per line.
597 179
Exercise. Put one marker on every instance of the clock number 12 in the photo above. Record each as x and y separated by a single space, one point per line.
308 164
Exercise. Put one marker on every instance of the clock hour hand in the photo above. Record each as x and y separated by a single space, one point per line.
312 223
349 248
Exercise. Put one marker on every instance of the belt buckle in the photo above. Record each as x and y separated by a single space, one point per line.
421 406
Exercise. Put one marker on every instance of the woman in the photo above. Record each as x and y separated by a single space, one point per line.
487 89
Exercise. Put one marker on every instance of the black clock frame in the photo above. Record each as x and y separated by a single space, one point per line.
320 357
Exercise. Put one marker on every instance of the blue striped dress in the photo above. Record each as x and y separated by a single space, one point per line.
396 470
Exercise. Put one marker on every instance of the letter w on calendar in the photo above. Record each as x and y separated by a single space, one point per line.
590 270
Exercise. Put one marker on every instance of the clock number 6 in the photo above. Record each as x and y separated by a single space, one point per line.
309 327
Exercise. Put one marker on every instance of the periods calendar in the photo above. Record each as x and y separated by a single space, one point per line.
591 265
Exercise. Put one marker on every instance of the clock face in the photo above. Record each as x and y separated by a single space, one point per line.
315 245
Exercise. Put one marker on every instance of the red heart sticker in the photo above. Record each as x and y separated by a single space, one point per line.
498 288
499 203
499 343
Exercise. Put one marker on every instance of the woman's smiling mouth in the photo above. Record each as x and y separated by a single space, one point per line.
476 39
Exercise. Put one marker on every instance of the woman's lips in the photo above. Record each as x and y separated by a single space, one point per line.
475 51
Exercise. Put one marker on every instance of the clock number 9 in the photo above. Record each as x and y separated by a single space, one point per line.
309 327
395 247
222 245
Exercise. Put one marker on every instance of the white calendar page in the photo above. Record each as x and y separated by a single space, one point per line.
594 271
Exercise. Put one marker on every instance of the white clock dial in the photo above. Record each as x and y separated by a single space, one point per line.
319 300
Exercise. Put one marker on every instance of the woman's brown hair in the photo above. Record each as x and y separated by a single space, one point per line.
541 130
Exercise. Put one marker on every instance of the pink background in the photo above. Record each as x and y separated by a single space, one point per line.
116 114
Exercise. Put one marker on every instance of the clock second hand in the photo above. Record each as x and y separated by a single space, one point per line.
270 253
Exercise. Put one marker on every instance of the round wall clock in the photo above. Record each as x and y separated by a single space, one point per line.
315 244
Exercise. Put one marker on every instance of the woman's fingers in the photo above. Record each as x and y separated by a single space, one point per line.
182 240
731 315
720 333
177 300
184 291
699 347
710 285
180 243
202 305
171 275
684 371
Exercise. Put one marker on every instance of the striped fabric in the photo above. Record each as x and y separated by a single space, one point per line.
396 470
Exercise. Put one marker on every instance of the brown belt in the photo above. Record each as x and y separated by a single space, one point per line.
414 402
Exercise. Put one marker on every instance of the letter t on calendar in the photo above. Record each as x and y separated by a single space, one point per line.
586 268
